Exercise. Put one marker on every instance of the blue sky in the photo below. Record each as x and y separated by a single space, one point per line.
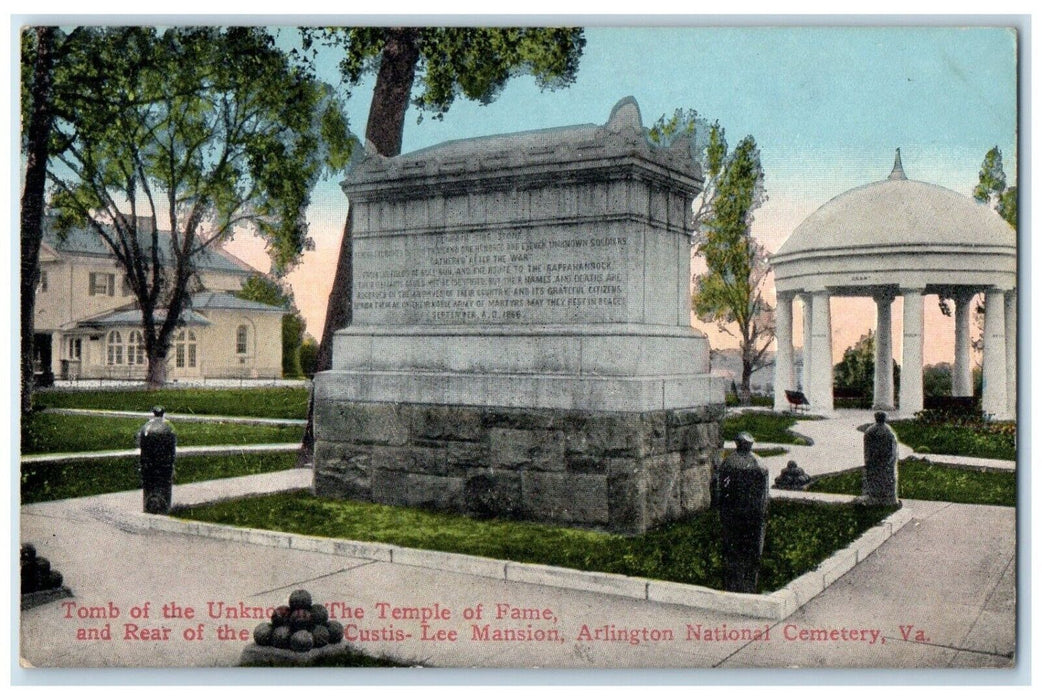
827 106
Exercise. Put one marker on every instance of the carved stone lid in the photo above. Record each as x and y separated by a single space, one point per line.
622 137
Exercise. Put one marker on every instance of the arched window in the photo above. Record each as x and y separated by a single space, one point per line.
185 349
136 348
242 335
115 348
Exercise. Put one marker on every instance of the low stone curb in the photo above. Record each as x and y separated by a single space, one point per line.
188 451
968 462
176 417
775 606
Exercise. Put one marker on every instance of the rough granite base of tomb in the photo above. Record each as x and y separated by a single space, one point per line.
620 471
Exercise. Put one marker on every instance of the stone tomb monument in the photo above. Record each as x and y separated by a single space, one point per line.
521 343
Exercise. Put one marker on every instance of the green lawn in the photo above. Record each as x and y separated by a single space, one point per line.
929 481
268 402
49 482
763 426
799 536
990 441
51 432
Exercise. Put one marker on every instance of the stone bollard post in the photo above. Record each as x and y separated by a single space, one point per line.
158 444
879 486
743 496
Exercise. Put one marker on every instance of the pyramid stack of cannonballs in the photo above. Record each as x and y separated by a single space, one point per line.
37 574
300 626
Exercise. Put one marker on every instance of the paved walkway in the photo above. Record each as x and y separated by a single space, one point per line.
838 445
940 593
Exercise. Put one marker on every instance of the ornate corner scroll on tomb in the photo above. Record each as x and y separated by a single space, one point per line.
521 343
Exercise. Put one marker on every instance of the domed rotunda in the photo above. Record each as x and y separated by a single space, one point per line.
908 238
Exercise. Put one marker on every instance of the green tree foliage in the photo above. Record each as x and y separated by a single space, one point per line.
855 374
212 129
730 292
271 292
709 149
937 379
309 356
992 189
442 64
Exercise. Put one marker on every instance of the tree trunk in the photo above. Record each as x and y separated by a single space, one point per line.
40 120
338 315
155 377
384 130
393 88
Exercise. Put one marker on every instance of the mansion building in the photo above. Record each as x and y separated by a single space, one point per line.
88 325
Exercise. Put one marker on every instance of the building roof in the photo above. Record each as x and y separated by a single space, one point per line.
201 302
205 301
85 241
132 317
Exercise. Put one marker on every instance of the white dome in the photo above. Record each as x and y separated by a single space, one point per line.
898 233
897 213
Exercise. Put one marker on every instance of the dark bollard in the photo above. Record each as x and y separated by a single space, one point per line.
743 495
879 486
158 444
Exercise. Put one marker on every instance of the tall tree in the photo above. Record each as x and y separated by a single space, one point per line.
991 187
446 62
38 48
730 292
709 149
212 129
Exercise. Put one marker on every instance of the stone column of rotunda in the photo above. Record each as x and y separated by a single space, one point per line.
994 392
1011 353
962 370
783 369
805 380
820 390
883 386
912 352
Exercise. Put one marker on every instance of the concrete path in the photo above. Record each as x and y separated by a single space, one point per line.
838 445
940 593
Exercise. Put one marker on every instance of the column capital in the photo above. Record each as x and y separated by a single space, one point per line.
884 296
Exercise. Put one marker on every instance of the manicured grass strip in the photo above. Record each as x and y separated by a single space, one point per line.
995 441
929 481
799 536
50 482
268 402
52 432
764 427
